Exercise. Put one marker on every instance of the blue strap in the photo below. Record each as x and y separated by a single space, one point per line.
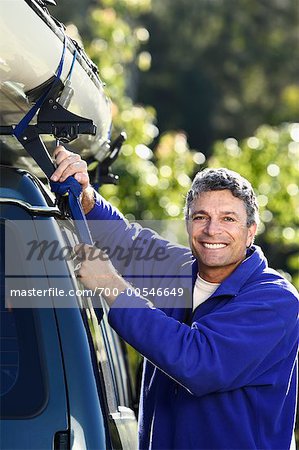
70 185
72 65
22 125
74 189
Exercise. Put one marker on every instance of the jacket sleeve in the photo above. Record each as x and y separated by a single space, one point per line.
224 350
139 254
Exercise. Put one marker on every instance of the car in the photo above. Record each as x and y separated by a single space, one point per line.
65 380
65 377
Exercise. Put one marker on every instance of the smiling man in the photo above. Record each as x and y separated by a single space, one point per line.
218 233
220 374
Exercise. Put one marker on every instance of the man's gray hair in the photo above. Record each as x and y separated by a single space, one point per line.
218 180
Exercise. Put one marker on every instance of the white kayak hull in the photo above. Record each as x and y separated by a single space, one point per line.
31 47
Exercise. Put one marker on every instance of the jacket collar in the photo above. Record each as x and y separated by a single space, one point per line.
255 260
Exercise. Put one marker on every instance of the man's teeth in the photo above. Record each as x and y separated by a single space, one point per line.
206 245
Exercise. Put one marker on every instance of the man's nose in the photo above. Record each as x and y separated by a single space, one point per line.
213 227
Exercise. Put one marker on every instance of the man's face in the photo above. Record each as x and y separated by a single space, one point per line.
218 234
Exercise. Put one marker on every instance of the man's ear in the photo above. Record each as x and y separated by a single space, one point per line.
251 234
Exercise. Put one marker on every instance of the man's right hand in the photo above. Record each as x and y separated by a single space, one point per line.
71 164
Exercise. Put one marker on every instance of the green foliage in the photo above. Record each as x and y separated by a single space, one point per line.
151 185
127 7
247 41
232 49
270 160
222 68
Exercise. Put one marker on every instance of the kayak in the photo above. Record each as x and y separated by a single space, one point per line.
33 45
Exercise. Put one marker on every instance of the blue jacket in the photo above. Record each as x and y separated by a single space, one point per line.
222 377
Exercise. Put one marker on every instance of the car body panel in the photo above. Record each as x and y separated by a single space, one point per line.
77 406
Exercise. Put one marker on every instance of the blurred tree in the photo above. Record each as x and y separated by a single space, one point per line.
160 180
270 160
74 12
222 68
153 184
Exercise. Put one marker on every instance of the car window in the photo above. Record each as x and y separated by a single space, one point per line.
97 332
118 361
107 346
10 351
22 382
104 362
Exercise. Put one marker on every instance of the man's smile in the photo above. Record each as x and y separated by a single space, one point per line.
213 245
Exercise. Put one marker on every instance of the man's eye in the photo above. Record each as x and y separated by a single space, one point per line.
229 219
199 218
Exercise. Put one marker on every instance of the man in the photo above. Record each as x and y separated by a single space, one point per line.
220 373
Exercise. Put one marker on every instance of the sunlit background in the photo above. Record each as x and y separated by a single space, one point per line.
201 83
195 84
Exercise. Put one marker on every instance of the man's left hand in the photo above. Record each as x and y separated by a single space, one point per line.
98 274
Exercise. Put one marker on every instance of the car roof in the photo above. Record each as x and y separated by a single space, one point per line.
18 185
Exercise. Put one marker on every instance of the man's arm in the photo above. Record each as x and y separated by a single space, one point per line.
135 251
240 344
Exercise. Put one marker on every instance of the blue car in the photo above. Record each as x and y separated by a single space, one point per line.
64 375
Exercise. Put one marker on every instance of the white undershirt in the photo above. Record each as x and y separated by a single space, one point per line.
202 291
